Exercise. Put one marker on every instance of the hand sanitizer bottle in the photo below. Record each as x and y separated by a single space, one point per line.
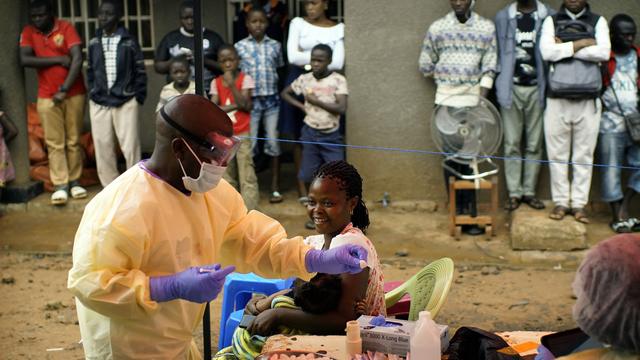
425 341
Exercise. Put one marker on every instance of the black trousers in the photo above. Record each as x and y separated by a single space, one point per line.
465 199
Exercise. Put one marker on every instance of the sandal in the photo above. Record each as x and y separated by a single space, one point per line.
580 215
621 226
559 212
533 202
275 198
512 204
634 224
59 197
303 200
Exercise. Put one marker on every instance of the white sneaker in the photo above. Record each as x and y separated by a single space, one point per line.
78 192
59 197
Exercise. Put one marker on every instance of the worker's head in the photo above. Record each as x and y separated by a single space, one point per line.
461 8
200 136
623 33
257 22
319 295
335 199
321 56
575 6
608 293
228 58
186 15
316 9
41 15
109 14
180 71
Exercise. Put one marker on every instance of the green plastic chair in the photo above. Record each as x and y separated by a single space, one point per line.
428 288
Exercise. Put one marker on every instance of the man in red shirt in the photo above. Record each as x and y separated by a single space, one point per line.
53 47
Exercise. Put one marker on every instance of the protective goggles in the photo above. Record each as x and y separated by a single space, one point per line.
218 147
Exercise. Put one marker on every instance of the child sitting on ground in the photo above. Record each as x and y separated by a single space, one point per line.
232 92
340 216
180 74
325 93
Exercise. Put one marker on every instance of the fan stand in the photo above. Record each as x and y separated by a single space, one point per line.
486 221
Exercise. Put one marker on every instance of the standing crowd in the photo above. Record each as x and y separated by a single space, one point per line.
559 76
566 79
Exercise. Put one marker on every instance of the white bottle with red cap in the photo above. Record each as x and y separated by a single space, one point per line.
425 341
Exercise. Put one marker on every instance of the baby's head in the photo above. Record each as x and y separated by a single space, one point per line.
320 295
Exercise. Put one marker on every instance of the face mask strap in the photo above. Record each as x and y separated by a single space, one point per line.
192 152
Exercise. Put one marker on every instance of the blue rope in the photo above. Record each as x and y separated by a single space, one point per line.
427 152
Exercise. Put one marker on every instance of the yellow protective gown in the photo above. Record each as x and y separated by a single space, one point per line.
138 227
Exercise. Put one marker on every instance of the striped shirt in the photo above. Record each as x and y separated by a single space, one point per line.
260 60
110 50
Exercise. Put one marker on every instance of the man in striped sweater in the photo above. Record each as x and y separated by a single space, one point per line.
459 52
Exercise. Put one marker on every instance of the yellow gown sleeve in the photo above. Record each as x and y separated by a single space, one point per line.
254 242
106 275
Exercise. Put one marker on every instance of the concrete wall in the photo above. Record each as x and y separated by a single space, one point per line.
12 89
390 103
165 19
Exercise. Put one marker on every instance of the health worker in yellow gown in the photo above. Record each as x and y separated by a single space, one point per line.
157 243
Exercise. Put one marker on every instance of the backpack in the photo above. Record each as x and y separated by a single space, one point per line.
573 78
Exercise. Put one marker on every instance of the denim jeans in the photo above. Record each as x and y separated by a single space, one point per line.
612 150
266 110
315 155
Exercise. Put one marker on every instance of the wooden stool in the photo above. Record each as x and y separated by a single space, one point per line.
456 221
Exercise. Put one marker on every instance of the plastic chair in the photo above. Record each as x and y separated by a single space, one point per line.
238 289
428 288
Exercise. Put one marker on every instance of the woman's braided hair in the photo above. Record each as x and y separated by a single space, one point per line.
351 182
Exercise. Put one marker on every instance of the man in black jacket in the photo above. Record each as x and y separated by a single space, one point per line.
117 88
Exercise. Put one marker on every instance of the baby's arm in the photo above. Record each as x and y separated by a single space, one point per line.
260 302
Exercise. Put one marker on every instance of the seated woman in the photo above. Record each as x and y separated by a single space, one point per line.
607 287
340 216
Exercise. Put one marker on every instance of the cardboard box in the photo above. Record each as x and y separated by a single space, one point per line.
393 340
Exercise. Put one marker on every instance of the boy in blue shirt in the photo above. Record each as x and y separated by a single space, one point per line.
260 58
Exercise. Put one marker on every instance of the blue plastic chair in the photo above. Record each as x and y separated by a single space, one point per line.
238 289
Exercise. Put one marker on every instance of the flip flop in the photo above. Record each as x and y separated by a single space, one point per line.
275 198
580 215
559 212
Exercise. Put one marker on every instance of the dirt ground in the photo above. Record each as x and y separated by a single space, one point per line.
38 320
492 290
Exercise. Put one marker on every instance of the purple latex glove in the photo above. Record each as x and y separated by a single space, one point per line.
199 284
339 260
544 353
378 321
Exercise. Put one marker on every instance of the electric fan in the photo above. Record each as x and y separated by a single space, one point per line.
468 135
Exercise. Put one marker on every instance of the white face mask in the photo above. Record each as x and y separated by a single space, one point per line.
208 178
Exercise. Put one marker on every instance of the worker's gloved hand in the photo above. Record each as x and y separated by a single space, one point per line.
199 284
339 260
